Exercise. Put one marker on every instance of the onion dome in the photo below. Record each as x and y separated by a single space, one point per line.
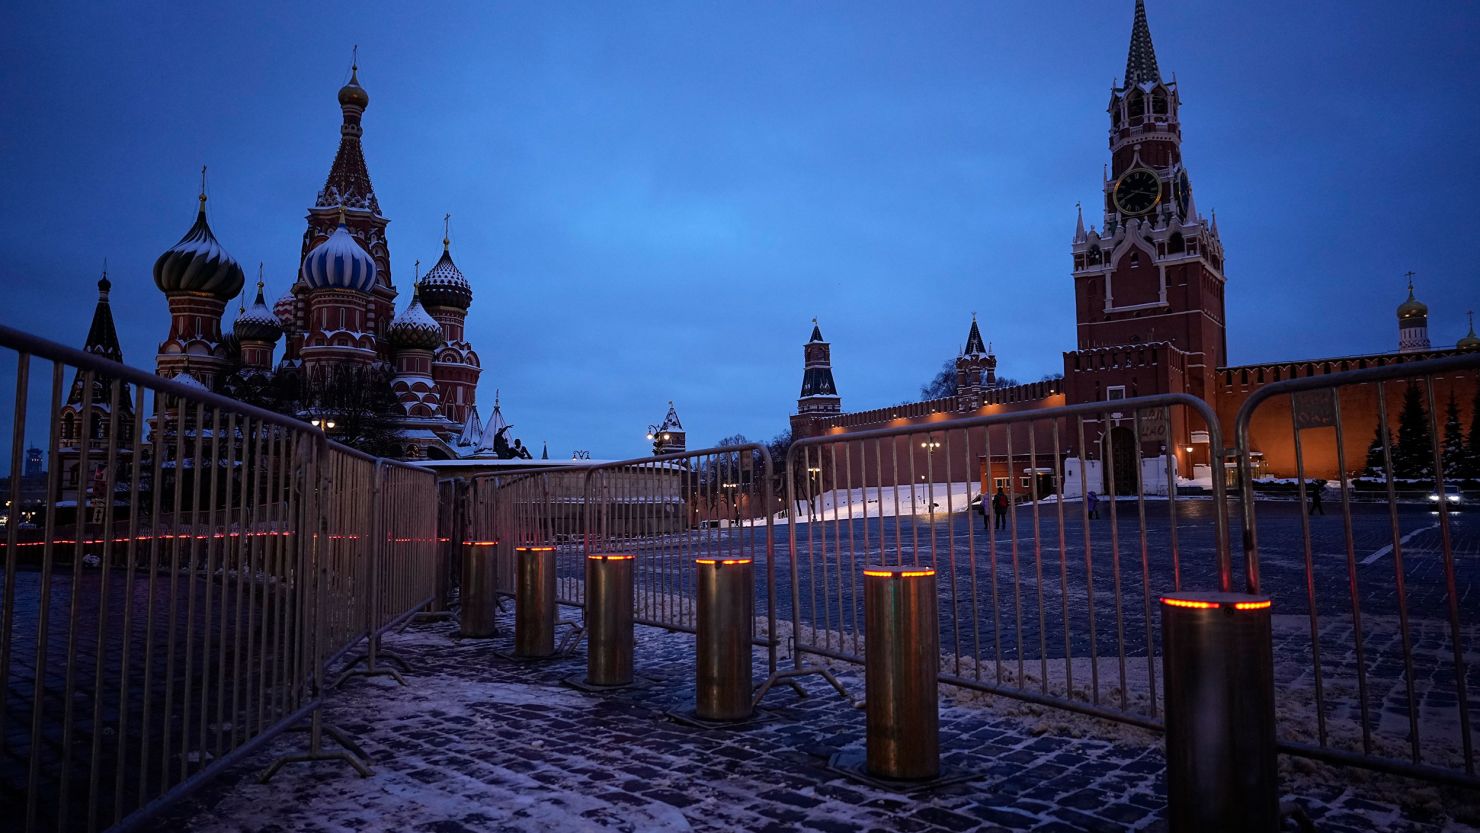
282 309
352 94
1412 308
198 263
413 328
445 285
1470 341
257 322
339 263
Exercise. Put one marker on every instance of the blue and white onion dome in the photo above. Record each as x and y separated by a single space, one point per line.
339 263
414 328
198 264
445 286
257 322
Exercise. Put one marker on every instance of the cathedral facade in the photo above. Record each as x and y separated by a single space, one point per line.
337 323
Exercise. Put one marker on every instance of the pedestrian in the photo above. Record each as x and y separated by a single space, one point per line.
1092 503
1316 488
999 507
982 508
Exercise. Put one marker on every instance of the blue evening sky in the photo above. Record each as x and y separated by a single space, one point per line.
652 200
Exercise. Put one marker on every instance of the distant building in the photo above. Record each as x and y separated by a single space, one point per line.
1149 302
35 462
668 437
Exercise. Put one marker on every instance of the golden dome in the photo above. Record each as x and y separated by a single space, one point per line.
1412 308
352 94
1470 341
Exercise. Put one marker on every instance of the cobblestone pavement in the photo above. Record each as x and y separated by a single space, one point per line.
481 743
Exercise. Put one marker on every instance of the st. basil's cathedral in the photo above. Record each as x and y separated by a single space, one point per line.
337 319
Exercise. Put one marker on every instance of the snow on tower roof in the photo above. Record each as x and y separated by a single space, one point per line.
472 430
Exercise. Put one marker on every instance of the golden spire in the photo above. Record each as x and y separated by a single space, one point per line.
446 231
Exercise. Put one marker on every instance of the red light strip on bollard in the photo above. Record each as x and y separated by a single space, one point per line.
482 543
722 561
1195 604
611 557
901 574
1189 603
534 549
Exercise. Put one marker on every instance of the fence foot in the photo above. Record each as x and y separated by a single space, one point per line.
349 752
789 677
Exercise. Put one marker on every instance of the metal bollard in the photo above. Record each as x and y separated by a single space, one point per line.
479 599
609 619
1218 663
726 619
901 662
534 602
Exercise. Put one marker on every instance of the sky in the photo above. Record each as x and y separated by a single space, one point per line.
653 200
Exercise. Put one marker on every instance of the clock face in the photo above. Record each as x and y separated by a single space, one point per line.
1137 191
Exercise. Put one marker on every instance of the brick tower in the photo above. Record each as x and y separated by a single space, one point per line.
819 395
1149 284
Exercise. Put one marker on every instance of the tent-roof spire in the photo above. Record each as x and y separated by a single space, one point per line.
1140 61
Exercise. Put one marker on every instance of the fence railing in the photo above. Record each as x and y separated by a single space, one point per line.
1375 660
177 583
668 510
1054 598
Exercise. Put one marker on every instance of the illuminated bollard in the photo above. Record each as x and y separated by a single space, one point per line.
534 601
609 619
726 618
1218 663
901 661
479 590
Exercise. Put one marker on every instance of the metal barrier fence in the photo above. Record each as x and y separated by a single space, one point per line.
1054 599
177 583
1375 627
668 510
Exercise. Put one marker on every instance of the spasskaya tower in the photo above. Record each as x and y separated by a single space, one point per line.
1148 283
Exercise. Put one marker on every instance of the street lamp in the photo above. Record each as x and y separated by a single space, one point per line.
326 424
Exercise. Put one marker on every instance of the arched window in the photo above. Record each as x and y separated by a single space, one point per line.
1176 244
1136 105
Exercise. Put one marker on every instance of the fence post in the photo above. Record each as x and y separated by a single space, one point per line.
901 660
726 617
1220 735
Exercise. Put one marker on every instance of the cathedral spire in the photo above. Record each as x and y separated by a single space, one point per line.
102 336
1079 235
1140 62
349 180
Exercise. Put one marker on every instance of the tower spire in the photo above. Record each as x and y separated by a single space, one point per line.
1079 235
1140 61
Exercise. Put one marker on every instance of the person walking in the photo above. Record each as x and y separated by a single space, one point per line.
1092 503
1316 488
999 508
984 511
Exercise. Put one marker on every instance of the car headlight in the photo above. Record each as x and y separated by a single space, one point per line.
1433 497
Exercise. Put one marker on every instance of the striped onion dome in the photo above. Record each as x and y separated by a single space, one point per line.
282 309
257 322
414 328
198 264
445 285
339 263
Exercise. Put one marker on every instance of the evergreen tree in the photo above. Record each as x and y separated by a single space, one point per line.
1376 465
1413 457
1472 457
1454 451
